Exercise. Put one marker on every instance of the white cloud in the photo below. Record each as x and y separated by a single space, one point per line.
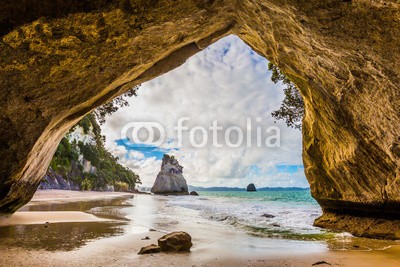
118 151
136 155
227 82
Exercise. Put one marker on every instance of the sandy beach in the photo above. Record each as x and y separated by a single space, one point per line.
34 217
64 196
42 197
101 241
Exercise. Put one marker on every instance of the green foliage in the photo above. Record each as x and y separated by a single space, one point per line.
86 184
292 107
108 171
112 106
85 124
90 153
121 186
64 155
89 123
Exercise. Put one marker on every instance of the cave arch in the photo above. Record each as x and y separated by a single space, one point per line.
57 65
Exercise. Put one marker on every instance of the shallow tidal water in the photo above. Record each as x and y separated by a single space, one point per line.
253 221
66 236
238 222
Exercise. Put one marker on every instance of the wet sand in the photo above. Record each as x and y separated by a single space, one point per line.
115 241
63 196
37 217
29 215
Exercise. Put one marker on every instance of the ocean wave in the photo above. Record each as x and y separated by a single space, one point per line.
281 219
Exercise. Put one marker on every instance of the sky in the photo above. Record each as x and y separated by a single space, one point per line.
222 99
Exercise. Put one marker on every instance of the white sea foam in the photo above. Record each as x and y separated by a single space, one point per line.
271 216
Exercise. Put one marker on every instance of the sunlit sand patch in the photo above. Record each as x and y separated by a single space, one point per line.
39 217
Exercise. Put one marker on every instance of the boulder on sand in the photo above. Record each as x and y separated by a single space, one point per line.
175 242
193 193
150 249
170 179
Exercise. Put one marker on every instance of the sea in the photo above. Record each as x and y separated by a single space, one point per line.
237 223
278 220
280 214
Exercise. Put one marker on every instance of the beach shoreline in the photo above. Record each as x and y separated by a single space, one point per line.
58 196
208 249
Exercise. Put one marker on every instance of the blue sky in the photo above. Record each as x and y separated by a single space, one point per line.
227 82
148 151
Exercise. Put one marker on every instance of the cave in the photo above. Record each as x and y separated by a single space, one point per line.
61 59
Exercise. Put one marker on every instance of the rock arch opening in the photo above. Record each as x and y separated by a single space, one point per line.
56 68
214 112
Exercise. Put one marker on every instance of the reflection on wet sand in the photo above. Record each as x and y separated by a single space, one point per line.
347 242
57 236
116 240
82 205
105 208
65 236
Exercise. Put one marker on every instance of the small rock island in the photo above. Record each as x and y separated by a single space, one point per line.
170 179
251 188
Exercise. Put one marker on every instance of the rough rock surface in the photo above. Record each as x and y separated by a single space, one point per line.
361 226
150 249
193 193
60 59
170 179
251 188
54 180
175 242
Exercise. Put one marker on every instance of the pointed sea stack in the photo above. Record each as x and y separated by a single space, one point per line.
251 188
170 180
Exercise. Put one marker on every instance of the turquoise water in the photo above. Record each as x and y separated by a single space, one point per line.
272 220
296 197
283 214
279 214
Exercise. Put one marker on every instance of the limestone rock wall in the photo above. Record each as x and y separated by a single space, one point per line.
58 63
345 57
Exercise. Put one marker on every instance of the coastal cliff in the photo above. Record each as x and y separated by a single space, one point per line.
170 179
59 60
82 163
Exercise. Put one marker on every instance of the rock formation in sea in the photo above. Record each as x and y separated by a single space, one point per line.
170 179
251 188
59 60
